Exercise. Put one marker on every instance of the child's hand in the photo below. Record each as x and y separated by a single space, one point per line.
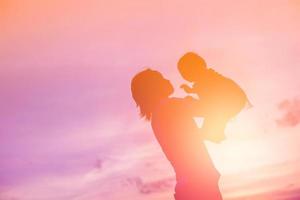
187 88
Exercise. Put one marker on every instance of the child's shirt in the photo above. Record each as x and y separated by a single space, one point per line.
220 93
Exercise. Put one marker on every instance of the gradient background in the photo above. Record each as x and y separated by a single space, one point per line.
69 129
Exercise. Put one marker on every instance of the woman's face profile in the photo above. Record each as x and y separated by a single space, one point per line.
160 85
166 84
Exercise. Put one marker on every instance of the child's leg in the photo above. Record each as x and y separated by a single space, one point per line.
214 128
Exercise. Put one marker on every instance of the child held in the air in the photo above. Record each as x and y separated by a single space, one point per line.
220 95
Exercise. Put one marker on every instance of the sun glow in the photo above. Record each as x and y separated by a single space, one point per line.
242 150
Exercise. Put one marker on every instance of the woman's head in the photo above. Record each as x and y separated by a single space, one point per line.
148 88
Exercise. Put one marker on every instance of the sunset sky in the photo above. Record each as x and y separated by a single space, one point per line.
69 129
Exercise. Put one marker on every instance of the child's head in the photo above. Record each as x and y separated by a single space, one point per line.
191 66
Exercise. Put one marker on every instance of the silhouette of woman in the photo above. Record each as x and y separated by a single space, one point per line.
178 135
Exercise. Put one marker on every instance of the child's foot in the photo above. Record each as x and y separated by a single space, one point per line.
216 138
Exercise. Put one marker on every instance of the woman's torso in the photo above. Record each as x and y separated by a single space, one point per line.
180 140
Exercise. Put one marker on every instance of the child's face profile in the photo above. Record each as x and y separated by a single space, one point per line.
191 67
188 74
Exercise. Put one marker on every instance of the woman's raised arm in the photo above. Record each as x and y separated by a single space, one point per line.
194 107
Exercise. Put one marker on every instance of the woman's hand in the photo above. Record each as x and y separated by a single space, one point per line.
187 88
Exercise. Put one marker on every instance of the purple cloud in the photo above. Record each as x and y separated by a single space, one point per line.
160 185
288 194
291 113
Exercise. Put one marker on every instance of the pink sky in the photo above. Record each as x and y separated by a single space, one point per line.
70 130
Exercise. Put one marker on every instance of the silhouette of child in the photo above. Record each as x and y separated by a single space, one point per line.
222 96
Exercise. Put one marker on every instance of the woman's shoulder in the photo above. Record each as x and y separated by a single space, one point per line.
185 104
170 104
178 102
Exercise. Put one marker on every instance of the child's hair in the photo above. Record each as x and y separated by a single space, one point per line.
190 65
